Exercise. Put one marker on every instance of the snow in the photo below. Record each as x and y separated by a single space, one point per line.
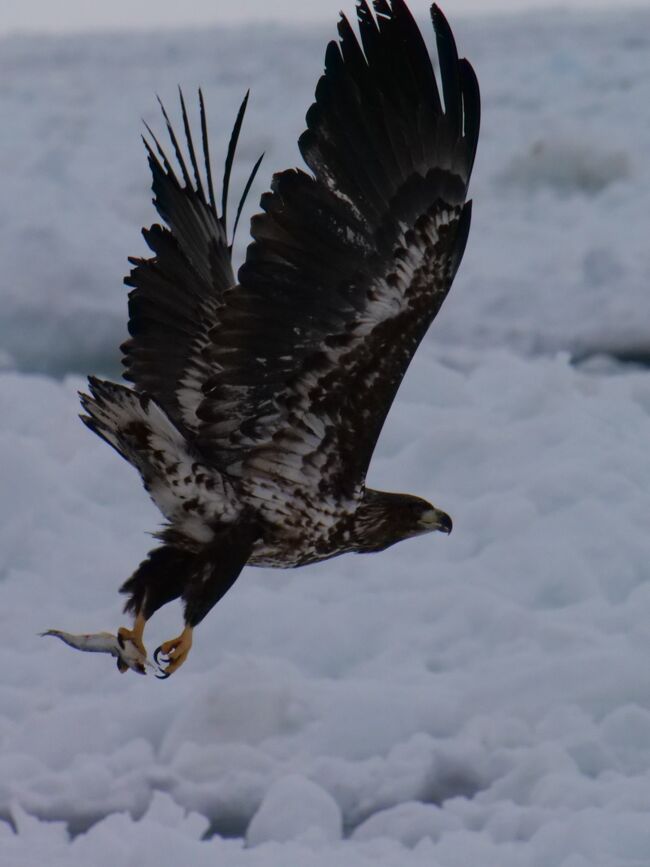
477 699
295 808
482 696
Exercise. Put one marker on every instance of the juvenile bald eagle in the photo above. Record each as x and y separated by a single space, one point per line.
258 400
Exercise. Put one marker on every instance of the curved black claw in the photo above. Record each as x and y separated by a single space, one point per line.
158 652
162 675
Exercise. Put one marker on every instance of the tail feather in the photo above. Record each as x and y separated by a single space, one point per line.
189 494
127 420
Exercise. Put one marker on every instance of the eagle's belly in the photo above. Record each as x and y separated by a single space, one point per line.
298 530
289 552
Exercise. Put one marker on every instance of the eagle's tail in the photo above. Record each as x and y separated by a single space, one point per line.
130 422
139 430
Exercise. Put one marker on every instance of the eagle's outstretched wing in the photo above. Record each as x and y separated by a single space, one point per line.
176 293
288 376
349 267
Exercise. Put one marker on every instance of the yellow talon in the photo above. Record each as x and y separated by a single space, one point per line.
176 650
133 635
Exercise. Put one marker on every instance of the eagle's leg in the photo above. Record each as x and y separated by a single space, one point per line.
215 570
157 580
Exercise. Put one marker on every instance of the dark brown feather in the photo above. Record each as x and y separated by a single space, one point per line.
257 406
388 160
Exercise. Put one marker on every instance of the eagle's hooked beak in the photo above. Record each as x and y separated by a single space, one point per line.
435 519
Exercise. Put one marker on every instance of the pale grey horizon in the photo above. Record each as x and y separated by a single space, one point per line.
66 16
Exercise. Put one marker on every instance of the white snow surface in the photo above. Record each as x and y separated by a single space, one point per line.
477 700
557 257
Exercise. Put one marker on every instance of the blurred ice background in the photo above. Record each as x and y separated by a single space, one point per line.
482 700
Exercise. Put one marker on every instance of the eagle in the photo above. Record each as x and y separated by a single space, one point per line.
256 401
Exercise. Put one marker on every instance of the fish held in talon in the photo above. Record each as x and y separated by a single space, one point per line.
256 400
126 652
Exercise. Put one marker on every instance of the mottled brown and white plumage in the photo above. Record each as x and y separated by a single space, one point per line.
258 400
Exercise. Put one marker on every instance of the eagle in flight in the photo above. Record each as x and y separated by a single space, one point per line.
257 400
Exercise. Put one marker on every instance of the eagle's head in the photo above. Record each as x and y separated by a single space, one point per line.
383 519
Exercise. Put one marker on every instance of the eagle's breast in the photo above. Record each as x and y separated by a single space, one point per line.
297 528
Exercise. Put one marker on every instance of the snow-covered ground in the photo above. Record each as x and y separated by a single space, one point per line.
478 699
481 700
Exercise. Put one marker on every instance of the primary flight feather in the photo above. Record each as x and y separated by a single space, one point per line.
257 401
